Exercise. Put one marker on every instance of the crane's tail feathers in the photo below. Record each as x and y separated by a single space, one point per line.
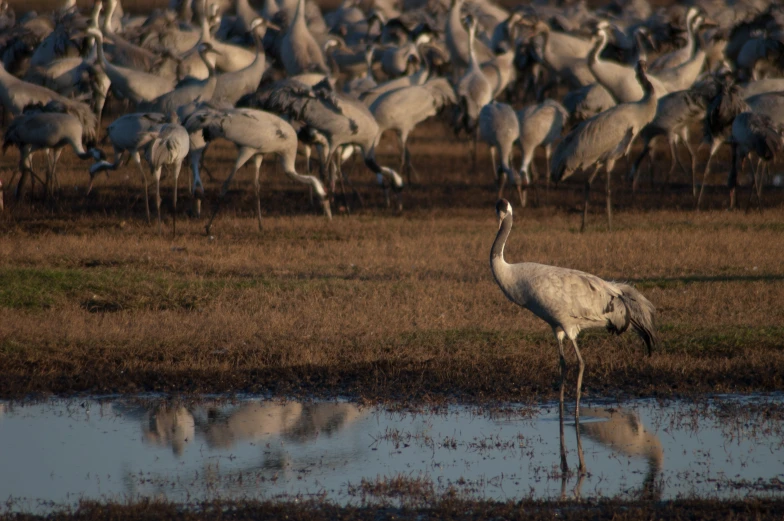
641 313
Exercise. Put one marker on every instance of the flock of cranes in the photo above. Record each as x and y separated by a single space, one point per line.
578 83
286 79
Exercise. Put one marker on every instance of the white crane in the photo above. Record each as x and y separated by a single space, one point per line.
604 138
569 301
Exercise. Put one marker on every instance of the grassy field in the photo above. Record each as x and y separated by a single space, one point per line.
375 305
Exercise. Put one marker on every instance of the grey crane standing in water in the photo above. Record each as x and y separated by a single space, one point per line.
167 145
255 133
569 301
499 128
47 127
603 139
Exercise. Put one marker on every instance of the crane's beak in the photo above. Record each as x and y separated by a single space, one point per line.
327 209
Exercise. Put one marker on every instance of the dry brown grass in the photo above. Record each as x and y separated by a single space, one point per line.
374 305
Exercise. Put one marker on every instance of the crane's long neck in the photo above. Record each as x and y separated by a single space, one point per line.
474 64
497 252
210 66
299 16
107 21
690 43
601 41
642 54
99 48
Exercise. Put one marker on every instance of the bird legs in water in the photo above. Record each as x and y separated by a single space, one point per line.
560 335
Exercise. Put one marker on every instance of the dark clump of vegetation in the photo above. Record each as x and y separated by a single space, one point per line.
451 509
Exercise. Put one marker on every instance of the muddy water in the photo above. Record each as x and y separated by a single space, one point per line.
54 453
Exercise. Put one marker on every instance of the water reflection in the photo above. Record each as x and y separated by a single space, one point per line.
169 426
191 451
622 431
223 426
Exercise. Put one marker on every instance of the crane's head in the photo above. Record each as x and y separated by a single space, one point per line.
264 24
502 209
207 47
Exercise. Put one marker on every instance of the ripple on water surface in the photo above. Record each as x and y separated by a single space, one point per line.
57 452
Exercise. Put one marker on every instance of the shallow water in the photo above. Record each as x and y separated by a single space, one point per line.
54 453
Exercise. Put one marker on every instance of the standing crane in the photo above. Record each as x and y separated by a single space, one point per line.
340 119
167 145
753 132
299 50
403 109
49 128
473 90
540 125
131 84
721 112
603 139
128 134
256 133
569 301
499 128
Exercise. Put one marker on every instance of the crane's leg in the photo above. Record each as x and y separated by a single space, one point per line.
634 173
693 160
158 195
197 188
243 156
412 173
732 179
138 161
608 168
673 161
495 167
56 159
588 194
559 336
577 405
177 167
548 150
257 159
714 148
